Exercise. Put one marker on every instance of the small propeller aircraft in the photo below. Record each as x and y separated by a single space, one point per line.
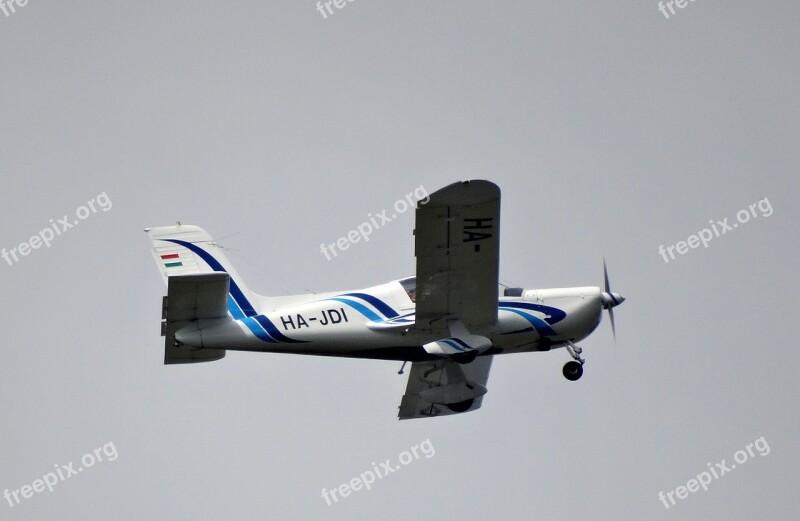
448 321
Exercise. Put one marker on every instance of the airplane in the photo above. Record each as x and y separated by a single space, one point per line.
449 320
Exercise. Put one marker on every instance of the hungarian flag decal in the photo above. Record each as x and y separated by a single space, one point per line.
171 260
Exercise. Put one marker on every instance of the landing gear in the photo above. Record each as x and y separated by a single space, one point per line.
573 370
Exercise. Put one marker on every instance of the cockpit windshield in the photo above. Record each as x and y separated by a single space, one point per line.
511 292
410 285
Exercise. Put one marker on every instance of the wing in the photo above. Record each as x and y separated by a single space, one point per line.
444 381
457 249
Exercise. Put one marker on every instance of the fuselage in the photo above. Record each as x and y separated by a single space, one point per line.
377 322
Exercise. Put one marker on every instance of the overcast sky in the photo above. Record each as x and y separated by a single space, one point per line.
610 129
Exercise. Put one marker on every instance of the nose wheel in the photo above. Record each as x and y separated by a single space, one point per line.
573 370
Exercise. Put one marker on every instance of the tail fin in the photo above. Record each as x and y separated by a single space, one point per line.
184 250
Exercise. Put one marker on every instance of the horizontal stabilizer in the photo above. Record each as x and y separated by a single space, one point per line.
191 298
190 355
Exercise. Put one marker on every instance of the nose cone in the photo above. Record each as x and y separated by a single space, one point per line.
611 299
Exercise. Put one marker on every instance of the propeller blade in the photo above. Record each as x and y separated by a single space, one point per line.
613 328
611 300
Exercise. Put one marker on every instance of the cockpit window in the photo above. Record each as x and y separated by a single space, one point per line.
410 285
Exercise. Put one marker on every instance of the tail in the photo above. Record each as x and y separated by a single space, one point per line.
201 285
186 250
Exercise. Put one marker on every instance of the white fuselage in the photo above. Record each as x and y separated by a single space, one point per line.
377 322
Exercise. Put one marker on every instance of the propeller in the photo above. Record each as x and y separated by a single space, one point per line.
610 300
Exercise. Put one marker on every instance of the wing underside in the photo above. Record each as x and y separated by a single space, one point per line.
457 249
429 381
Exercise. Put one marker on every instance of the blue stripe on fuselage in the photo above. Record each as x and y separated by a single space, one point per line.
270 328
555 314
380 305
538 324
256 328
361 308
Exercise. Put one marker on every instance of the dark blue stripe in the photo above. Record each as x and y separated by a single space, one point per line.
461 342
556 315
238 295
273 331
376 302
451 344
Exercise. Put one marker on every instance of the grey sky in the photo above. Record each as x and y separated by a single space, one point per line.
610 129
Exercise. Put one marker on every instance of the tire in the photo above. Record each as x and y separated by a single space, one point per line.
572 371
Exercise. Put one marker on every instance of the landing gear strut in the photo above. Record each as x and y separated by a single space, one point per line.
573 370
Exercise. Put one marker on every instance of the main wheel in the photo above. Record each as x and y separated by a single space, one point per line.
572 370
